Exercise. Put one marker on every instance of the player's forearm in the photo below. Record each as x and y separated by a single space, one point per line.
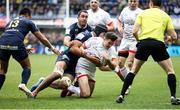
111 27
136 36
93 59
44 40
105 68
111 64
67 41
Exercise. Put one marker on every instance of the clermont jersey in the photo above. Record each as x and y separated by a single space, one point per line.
15 32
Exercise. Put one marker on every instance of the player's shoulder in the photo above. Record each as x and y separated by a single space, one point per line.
88 27
103 11
125 9
84 34
73 26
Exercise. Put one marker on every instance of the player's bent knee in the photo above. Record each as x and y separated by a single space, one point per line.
85 94
58 71
130 63
66 81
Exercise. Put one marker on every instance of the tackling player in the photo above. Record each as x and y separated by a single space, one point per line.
66 62
86 68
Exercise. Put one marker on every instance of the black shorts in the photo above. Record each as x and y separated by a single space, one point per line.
156 49
123 54
71 61
18 55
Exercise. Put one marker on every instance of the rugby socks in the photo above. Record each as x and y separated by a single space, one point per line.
124 71
2 79
74 89
25 75
127 82
172 84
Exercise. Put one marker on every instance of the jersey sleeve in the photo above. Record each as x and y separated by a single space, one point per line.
121 16
113 53
70 31
33 27
88 43
169 24
83 36
139 19
80 36
67 32
108 19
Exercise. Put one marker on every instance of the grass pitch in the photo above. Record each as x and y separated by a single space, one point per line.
149 90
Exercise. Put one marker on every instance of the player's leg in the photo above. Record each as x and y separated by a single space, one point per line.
84 86
132 51
22 57
141 56
37 84
83 90
161 55
129 79
3 71
130 59
57 73
4 61
66 80
123 55
122 73
171 79
92 85
25 64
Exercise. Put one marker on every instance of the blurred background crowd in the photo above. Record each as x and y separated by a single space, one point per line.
53 9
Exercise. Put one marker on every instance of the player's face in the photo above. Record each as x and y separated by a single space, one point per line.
82 19
108 43
133 4
94 4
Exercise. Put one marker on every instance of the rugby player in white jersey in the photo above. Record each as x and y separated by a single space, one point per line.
127 48
99 16
85 69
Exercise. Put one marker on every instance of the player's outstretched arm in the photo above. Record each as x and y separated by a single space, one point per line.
46 42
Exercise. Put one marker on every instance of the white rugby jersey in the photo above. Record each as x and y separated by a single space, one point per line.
128 18
94 46
98 17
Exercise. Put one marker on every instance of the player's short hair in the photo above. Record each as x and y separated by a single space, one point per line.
84 11
156 2
25 11
111 35
96 0
99 29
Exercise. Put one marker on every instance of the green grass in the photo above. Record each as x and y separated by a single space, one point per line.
149 91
